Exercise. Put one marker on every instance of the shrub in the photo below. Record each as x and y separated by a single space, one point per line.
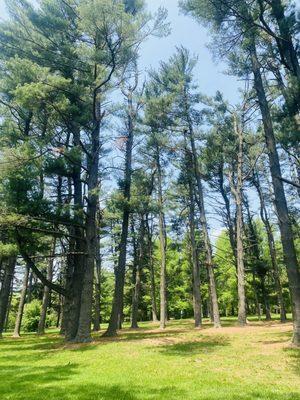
31 316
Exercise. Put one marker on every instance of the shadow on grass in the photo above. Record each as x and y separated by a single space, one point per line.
56 382
204 346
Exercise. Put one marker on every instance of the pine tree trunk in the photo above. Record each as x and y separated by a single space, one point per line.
135 297
117 307
265 299
190 178
286 232
77 254
97 281
140 265
163 247
85 316
255 289
195 261
240 266
237 191
29 287
19 317
97 307
204 226
5 290
272 248
229 220
9 306
46 295
152 275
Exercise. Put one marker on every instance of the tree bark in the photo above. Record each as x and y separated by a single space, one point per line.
204 226
5 290
163 245
46 294
195 260
83 334
229 220
137 285
19 317
255 289
152 275
272 248
286 232
117 307
265 299
97 308
237 192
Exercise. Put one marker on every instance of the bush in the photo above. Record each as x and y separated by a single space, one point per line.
31 316
51 318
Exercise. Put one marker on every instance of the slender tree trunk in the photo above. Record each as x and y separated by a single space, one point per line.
240 264
97 308
229 219
163 246
46 295
286 232
135 265
5 290
9 306
29 287
255 289
195 261
137 286
135 298
204 225
272 248
237 191
19 317
117 307
152 275
190 177
265 299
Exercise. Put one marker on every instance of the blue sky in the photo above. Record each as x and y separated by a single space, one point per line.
186 32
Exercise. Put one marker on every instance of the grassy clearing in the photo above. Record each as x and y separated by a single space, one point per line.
178 364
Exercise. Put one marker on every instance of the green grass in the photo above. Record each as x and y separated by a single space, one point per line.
180 363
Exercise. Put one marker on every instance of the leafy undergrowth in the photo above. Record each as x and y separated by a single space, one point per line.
180 363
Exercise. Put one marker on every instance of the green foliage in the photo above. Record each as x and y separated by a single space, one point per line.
8 250
31 316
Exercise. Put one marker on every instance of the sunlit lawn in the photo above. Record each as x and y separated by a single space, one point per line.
178 364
